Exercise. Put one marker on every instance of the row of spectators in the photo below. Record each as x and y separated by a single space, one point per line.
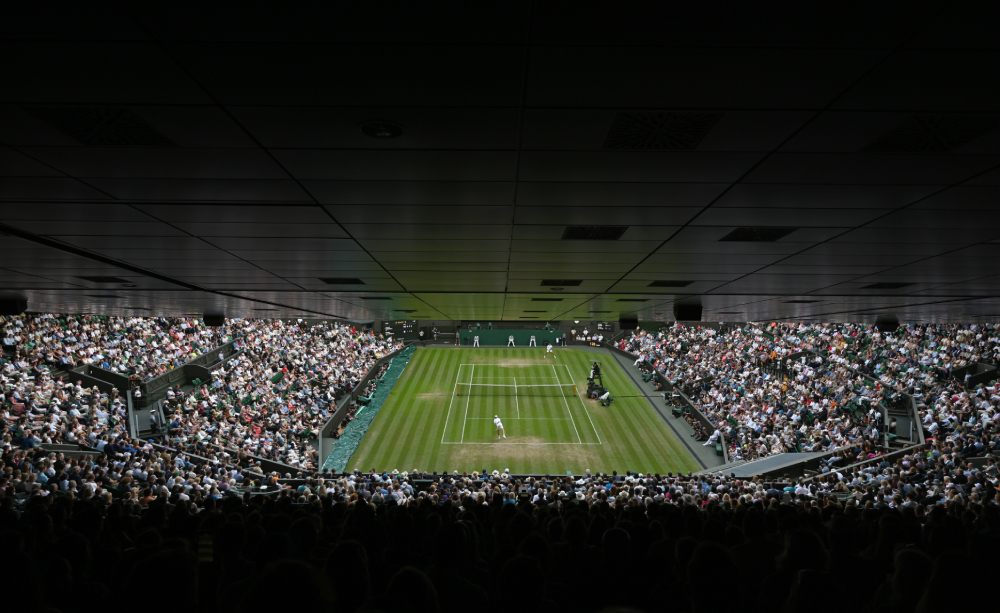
138 347
899 535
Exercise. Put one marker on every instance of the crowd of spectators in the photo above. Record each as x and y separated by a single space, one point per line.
269 399
274 396
139 347
901 532
832 396
761 401
37 409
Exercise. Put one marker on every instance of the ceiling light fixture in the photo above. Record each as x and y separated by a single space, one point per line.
381 129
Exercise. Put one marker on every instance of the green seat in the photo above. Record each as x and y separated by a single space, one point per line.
718 449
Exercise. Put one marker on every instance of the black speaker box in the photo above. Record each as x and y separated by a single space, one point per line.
628 323
687 312
214 320
886 323
13 306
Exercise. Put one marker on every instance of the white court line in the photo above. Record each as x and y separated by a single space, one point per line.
587 411
467 398
526 418
472 443
454 389
566 402
517 405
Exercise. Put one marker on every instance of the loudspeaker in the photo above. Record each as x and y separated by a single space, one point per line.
687 312
628 323
214 320
886 323
13 305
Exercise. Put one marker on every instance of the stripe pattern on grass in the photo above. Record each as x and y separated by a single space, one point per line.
425 426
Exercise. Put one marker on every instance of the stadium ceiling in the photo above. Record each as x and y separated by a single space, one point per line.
518 160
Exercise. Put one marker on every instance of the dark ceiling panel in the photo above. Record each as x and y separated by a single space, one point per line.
455 192
207 190
309 164
53 188
159 162
340 127
927 80
95 73
871 168
617 194
419 75
629 166
666 77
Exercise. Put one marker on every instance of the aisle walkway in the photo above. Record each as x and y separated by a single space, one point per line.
705 456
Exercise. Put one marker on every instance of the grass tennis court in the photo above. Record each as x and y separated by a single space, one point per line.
440 417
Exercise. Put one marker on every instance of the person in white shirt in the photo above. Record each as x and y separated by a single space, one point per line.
499 425
548 350
475 341
531 343
510 341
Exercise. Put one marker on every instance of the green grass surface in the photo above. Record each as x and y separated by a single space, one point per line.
425 426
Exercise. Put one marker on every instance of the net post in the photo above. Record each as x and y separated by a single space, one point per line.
458 389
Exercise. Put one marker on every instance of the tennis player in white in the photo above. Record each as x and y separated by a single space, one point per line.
548 350
499 425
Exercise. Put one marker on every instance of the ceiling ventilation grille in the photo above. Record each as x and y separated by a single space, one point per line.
101 126
633 300
547 299
567 282
670 283
800 301
659 131
375 298
887 285
341 280
931 134
404 310
602 311
757 235
593 233
534 311
103 279
100 296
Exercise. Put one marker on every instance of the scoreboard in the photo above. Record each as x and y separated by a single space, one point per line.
406 328
605 326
